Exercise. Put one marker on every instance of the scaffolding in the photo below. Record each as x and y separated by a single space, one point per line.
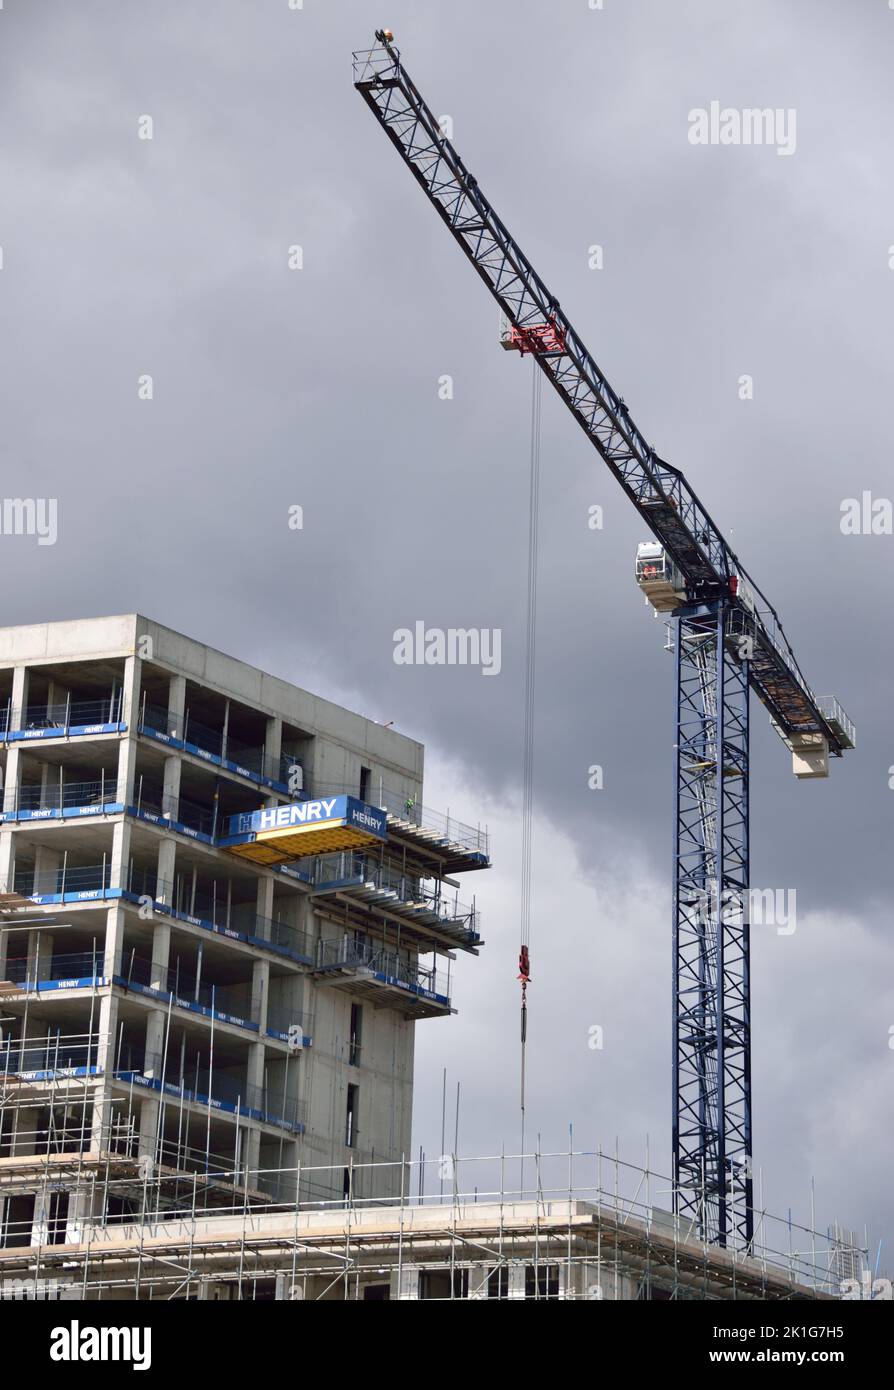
178 1225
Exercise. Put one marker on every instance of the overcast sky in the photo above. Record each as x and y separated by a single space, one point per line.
274 387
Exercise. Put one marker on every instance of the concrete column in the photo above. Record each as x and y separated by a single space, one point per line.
120 863
114 944
81 1211
40 1229
101 1122
254 1074
156 1025
130 714
260 991
273 739
57 699
265 907
47 863
167 858
130 686
171 788
405 1283
251 1152
148 1143
47 859
101 1127
272 751
176 705
161 955
7 861
12 782
127 767
225 734
40 953
20 680
254 1070
107 1028
148 1136
49 779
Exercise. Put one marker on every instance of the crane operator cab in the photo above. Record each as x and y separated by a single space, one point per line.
658 577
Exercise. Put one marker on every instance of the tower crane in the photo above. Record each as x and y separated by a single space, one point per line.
729 641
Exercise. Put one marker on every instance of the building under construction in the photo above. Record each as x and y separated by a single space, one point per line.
225 907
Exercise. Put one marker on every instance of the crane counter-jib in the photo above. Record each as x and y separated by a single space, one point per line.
663 498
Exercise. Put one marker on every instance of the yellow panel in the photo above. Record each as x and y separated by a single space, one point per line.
292 842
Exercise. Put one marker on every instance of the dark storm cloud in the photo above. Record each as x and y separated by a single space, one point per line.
274 387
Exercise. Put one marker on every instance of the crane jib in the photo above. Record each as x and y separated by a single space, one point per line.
664 500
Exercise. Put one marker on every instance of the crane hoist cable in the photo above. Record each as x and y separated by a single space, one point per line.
524 958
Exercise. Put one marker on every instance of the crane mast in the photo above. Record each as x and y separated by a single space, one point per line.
729 641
